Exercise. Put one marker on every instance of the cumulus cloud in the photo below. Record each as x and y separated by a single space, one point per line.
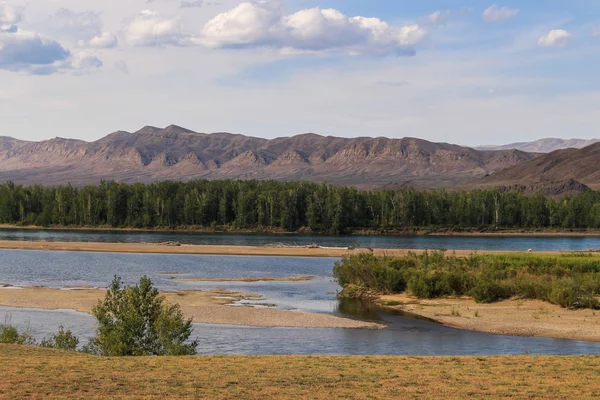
436 18
10 15
263 24
149 28
85 27
30 52
494 13
555 38
197 3
23 50
104 40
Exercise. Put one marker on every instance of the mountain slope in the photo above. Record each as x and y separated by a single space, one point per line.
547 145
176 153
582 165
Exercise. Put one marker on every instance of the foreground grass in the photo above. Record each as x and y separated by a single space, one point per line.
30 372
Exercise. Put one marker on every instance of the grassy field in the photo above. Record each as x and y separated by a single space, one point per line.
29 372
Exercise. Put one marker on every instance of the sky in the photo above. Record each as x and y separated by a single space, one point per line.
471 72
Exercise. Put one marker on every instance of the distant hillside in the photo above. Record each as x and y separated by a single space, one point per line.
581 165
176 153
544 145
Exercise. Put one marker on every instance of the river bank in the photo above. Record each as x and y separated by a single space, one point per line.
209 307
419 231
169 248
512 317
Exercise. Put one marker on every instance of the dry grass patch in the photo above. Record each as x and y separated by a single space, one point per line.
35 373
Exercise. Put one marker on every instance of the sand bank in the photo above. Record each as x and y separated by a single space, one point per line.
202 306
212 250
509 317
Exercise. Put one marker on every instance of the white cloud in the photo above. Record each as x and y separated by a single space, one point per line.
494 13
596 31
149 28
104 40
82 63
555 38
263 24
436 18
10 15
32 53
29 51
84 27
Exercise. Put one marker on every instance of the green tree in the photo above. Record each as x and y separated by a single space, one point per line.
137 321
63 340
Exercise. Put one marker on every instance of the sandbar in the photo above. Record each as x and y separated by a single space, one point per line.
512 317
209 307
142 248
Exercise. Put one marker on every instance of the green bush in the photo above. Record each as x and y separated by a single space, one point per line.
10 335
569 280
63 340
488 291
569 293
137 321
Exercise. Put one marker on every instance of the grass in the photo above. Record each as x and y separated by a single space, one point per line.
30 372
568 280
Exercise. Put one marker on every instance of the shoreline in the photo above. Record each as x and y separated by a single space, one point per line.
155 248
205 307
513 317
407 232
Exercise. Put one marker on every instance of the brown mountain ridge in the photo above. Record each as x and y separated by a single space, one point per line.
176 153
581 165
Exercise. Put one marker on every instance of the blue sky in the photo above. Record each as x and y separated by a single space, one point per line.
467 72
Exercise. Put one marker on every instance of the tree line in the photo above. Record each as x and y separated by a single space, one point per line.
287 205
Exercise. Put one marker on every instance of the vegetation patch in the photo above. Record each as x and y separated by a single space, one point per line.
272 206
32 372
568 280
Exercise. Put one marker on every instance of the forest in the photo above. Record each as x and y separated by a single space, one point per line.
289 206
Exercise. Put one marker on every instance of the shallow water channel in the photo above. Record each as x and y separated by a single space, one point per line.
405 335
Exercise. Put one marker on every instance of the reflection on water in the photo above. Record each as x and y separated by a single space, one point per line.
384 242
367 311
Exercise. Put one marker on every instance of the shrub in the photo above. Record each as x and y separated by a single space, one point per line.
568 280
488 291
10 335
137 321
63 340
568 293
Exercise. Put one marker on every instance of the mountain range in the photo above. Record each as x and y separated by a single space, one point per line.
152 154
176 153
546 145
581 165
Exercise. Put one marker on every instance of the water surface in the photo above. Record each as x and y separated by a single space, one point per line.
384 242
405 336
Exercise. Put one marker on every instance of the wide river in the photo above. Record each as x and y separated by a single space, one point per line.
522 243
404 336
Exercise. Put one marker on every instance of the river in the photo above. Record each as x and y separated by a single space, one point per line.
503 243
405 335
